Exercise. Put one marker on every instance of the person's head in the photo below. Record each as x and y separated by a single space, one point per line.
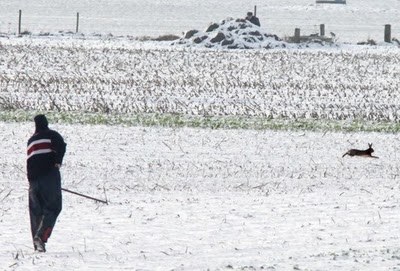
249 14
41 123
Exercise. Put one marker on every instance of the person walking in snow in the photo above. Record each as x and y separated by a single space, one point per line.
252 18
46 149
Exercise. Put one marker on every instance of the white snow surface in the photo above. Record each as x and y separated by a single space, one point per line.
198 199
193 199
356 21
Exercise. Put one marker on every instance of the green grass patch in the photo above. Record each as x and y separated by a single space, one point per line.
210 122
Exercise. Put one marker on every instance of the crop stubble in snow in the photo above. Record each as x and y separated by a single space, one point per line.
121 77
195 199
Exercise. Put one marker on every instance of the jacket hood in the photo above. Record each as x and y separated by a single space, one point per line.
41 123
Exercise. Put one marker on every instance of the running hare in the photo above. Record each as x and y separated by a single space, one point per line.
367 153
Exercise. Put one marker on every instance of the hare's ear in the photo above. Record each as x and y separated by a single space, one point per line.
370 145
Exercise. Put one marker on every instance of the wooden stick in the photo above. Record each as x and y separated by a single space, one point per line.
85 196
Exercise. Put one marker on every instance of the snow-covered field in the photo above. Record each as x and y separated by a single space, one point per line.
199 199
359 20
127 77
188 199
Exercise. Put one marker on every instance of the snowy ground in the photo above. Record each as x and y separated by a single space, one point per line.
193 199
188 199
359 20
125 77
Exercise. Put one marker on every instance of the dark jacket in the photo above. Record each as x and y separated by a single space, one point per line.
46 148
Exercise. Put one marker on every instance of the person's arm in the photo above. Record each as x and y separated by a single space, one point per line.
59 147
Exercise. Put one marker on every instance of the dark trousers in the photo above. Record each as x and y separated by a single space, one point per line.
45 203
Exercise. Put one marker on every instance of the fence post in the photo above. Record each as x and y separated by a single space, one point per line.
297 35
255 10
322 30
388 34
19 22
77 22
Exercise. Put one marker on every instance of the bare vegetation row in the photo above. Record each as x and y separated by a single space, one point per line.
77 76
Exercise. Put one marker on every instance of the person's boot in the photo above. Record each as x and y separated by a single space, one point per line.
39 245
